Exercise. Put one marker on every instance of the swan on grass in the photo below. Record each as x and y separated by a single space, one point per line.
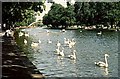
103 64
25 41
27 34
73 56
21 34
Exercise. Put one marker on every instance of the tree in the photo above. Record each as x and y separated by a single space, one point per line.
94 13
58 15
13 12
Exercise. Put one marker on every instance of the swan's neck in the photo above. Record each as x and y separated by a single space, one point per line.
74 54
106 62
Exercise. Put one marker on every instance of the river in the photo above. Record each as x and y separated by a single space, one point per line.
90 47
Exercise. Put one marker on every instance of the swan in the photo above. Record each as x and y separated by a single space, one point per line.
58 44
47 31
34 44
103 64
73 56
99 33
27 34
63 30
66 41
73 42
49 41
21 34
58 51
80 30
39 41
25 41
8 33
61 53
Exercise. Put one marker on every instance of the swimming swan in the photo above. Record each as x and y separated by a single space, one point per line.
103 64
99 33
34 44
61 53
73 56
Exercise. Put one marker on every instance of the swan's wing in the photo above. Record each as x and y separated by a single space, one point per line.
101 64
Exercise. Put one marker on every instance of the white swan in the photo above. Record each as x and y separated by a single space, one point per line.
49 41
47 31
57 51
103 64
71 44
99 33
25 41
63 30
34 44
73 56
21 34
27 34
66 41
39 41
58 44
61 53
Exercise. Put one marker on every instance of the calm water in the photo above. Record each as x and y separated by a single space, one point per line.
90 47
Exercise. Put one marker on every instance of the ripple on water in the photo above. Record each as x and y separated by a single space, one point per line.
89 47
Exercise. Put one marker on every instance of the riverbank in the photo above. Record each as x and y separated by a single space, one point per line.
15 64
89 28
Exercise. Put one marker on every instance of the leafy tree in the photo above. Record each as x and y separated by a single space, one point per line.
13 12
94 13
58 15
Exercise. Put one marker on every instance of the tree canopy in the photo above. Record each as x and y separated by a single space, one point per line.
84 13
58 15
13 12
95 13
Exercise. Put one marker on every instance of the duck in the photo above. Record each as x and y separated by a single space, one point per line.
103 64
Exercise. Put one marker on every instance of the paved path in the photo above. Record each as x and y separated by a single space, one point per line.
15 64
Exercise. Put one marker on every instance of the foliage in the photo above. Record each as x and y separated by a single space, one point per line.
94 13
29 18
13 12
58 15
